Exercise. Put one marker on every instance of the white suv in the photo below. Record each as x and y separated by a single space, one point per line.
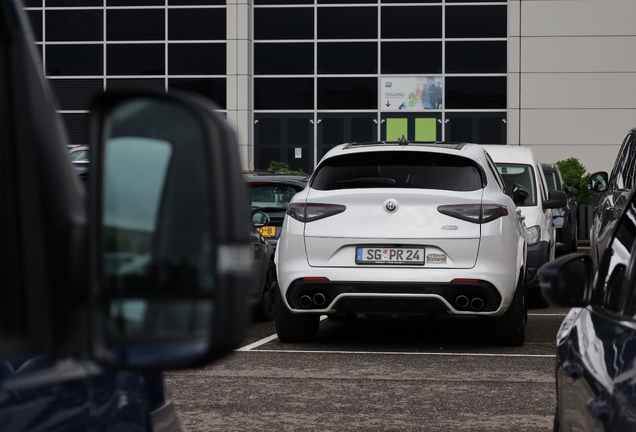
402 229
516 164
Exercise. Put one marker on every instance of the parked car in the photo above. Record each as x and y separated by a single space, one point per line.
80 157
270 193
516 164
402 229
83 338
595 353
615 189
262 296
565 218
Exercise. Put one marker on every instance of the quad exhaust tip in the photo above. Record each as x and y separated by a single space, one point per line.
461 301
319 299
476 304
305 301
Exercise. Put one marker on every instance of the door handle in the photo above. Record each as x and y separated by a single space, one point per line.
573 370
600 408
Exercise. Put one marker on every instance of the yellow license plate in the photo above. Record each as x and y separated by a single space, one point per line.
267 231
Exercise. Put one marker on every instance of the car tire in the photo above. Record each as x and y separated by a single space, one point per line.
294 328
510 329
265 310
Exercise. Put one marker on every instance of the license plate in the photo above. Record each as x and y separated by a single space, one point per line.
392 256
267 231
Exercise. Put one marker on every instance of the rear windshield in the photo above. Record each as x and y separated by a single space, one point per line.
521 174
271 195
418 170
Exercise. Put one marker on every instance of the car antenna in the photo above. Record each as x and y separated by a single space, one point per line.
404 141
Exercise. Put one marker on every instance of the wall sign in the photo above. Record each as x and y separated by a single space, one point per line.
411 93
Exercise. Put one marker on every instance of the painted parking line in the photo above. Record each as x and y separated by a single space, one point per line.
405 353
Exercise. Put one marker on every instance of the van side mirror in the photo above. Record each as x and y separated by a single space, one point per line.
598 181
519 194
169 271
556 199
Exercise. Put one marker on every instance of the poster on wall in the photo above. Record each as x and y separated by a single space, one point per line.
411 93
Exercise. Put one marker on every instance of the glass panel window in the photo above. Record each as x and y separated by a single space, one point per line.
196 2
197 24
76 127
196 59
135 2
136 59
123 24
476 93
73 3
424 58
75 94
214 89
32 3
283 58
407 22
283 93
35 17
331 55
476 57
283 23
157 84
476 22
348 23
65 60
347 93
74 25
282 2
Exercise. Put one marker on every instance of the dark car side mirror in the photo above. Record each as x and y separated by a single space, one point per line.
169 272
598 181
568 280
570 191
556 199
519 194
259 218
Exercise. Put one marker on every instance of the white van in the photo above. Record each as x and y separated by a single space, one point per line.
516 164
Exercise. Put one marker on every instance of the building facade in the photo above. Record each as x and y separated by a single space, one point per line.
296 77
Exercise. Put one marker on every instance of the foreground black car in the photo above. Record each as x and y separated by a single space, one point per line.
565 218
596 344
270 193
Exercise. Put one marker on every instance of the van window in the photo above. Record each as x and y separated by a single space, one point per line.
521 174
417 170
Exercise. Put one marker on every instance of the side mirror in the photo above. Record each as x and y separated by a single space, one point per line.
570 191
556 199
567 281
169 272
598 182
260 219
519 194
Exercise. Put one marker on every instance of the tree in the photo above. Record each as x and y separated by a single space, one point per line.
575 175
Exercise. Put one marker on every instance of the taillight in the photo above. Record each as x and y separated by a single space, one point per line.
474 213
312 212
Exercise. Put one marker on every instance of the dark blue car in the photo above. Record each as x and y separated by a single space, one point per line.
100 292
596 344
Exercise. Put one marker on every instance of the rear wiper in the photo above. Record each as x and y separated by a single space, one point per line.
371 180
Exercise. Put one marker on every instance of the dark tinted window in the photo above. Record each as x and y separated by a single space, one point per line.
331 55
551 180
35 16
136 59
283 93
213 88
74 25
67 3
476 21
424 58
64 60
347 93
521 174
197 24
76 127
135 2
196 2
412 22
476 57
196 59
348 23
387 169
476 93
283 23
274 58
135 24
75 94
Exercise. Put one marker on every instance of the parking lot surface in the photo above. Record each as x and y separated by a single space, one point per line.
370 374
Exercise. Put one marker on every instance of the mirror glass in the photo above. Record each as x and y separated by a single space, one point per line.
157 233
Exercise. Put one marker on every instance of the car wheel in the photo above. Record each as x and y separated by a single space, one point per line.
291 327
510 329
265 309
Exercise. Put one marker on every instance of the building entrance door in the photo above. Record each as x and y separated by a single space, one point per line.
479 128
414 126
286 138
338 128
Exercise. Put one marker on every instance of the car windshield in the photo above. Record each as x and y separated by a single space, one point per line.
418 170
271 195
551 180
520 174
